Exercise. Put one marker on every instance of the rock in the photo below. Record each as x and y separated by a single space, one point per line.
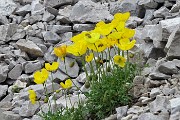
160 104
3 72
83 27
58 3
29 47
153 33
168 68
175 7
37 8
149 14
66 37
70 67
9 115
121 111
133 22
111 117
3 90
36 117
150 116
51 37
28 109
64 14
15 72
31 67
171 47
154 92
7 31
168 26
124 6
161 12
3 20
71 101
22 11
48 16
148 3
18 35
158 76
7 7
60 76
135 110
58 28
81 78
175 105
88 11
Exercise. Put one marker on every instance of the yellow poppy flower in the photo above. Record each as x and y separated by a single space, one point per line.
89 57
126 44
120 27
99 46
41 76
79 37
119 60
91 37
103 28
67 84
52 67
77 49
32 96
128 33
60 51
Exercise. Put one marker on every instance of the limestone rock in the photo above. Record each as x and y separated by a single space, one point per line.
28 109
51 37
9 115
124 6
3 72
160 104
59 28
70 67
31 67
15 72
29 47
83 27
150 116
168 68
58 3
88 11
7 7
148 3
3 90
168 26
121 111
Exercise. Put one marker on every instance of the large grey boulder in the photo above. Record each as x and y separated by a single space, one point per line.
7 7
88 11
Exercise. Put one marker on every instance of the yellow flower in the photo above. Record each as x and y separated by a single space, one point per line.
126 44
103 28
32 96
52 67
119 60
60 51
89 57
79 37
91 37
77 49
41 76
99 46
67 84
128 33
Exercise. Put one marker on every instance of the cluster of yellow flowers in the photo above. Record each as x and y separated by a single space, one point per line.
104 36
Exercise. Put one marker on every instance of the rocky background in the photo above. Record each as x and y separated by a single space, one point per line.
29 29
